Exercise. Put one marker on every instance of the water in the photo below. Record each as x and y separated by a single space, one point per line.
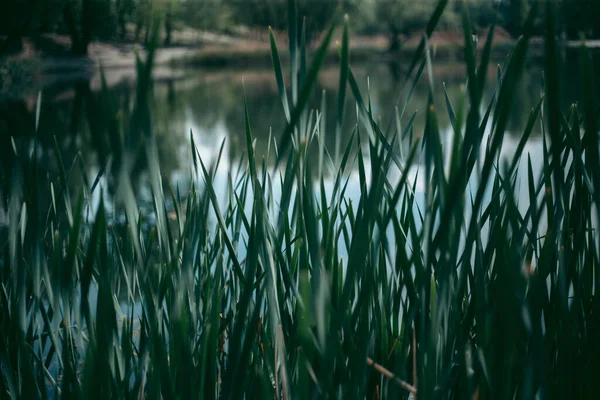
210 104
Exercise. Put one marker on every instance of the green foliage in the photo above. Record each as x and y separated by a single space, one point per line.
515 13
85 20
314 14
580 17
285 287
211 15
404 18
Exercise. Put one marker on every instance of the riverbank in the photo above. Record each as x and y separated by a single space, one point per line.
216 50
48 59
52 51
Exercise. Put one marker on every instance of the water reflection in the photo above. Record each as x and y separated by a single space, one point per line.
210 104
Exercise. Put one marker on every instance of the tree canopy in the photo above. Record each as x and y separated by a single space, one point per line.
86 20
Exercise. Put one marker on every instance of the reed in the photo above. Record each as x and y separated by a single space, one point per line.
300 292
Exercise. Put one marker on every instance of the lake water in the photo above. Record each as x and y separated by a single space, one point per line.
210 104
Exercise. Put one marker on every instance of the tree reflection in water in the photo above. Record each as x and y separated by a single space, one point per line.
103 125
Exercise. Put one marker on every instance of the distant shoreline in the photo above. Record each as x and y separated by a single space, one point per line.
35 66
231 52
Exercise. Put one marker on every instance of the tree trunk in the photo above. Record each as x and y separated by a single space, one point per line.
69 20
168 24
140 18
517 13
17 25
87 21
394 38
80 35
121 24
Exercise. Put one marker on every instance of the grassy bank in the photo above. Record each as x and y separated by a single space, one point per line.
287 289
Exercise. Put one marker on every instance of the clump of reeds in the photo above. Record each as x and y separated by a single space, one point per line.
305 294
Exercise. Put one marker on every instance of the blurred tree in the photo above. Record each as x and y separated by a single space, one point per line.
204 14
79 20
48 16
168 21
143 15
16 19
515 12
403 17
580 17
88 19
316 14
125 10
482 13
85 20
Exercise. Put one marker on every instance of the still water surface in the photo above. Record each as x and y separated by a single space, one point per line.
210 105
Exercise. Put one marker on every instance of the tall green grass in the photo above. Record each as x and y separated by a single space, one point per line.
308 294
